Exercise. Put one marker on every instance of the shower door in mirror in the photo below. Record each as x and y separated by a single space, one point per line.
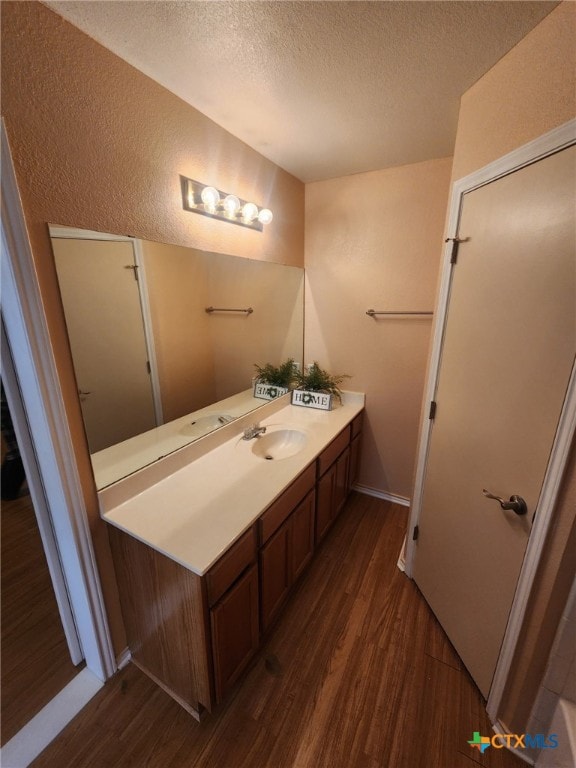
99 287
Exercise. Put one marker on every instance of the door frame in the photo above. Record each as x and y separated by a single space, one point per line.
72 233
548 144
35 368
39 503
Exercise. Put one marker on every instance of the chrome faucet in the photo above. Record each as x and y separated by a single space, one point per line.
253 431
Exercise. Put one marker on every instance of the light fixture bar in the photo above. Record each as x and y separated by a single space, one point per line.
212 202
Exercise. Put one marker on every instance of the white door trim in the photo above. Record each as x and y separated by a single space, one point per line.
148 329
35 368
71 233
551 142
41 512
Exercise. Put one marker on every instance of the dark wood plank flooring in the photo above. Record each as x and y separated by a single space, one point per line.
36 662
356 674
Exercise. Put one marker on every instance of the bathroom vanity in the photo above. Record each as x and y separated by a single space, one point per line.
207 555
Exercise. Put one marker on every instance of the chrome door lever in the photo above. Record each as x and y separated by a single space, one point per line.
515 503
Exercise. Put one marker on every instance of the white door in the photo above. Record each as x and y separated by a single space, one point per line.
104 319
507 354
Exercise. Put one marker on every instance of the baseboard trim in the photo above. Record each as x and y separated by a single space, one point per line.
34 737
402 500
124 658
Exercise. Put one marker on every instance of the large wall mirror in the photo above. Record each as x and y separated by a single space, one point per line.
155 370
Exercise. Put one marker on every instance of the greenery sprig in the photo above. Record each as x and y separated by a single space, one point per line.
282 375
316 379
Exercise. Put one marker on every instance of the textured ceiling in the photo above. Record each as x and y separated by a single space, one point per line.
323 89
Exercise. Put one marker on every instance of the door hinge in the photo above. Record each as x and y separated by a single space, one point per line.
432 412
134 268
148 367
455 243
415 533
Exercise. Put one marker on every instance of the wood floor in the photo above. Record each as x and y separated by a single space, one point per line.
356 674
36 663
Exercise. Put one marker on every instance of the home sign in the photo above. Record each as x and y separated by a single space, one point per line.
268 391
308 399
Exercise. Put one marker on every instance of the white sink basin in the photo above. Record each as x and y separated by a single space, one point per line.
279 444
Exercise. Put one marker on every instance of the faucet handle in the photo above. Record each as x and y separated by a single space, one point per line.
253 431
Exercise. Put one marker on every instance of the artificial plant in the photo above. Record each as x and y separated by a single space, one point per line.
316 379
282 375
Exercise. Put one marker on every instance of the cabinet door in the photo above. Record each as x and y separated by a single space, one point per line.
274 574
302 535
354 461
325 503
235 633
341 488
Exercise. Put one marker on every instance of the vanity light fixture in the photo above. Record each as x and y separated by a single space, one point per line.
209 201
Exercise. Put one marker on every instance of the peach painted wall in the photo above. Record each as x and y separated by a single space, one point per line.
374 241
98 145
177 282
272 333
529 92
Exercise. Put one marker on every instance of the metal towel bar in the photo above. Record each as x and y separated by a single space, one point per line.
247 311
373 312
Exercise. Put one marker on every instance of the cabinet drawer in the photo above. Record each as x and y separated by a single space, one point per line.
331 453
357 425
279 510
223 574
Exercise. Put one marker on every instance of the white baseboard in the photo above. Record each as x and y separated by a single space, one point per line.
35 736
123 658
402 500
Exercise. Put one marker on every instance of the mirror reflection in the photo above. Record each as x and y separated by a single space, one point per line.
154 369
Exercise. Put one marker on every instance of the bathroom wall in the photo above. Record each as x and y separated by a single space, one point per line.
530 91
527 93
203 358
98 145
374 241
177 282
272 333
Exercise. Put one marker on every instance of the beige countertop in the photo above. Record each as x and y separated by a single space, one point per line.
196 513
118 461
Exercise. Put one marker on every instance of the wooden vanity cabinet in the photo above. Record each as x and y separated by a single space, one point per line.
232 590
235 631
195 635
333 483
355 443
287 543
164 610
302 540
274 575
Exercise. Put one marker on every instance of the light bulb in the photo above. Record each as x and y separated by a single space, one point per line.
249 212
231 205
265 216
210 197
